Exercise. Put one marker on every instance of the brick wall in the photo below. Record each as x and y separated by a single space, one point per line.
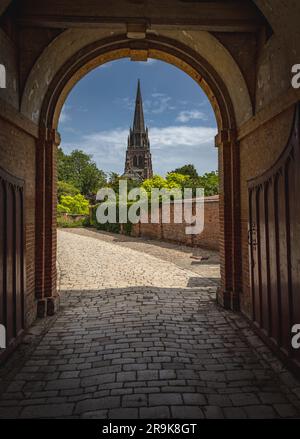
172 232
209 238
17 156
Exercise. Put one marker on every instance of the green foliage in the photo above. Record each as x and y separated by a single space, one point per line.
127 228
114 179
79 170
63 223
210 182
155 182
189 170
74 205
108 227
64 188
111 227
176 180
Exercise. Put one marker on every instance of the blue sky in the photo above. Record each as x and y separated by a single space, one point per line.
99 111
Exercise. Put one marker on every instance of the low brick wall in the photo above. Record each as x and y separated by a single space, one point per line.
172 232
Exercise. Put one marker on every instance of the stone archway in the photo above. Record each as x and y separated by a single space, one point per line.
227 113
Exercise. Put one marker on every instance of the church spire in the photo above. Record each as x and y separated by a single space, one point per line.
138 162
139 123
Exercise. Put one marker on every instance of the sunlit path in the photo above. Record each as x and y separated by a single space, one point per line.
140 336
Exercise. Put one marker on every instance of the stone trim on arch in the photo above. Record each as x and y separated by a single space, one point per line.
73 41
45 101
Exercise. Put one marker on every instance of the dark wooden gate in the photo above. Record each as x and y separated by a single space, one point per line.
12 260
274 247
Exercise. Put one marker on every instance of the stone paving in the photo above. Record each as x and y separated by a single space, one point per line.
181 255
139 336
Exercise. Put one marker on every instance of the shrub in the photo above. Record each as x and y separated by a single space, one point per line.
111 227
64 223
77 205
64 188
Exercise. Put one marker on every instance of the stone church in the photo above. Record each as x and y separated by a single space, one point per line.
138 162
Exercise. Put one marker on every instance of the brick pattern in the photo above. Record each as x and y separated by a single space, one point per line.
50 218
145 351
174 232
46 190
17 156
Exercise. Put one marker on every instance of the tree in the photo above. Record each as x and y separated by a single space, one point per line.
176 180
77 205
64 188
189 170
79 170
114 180
210 182
155 182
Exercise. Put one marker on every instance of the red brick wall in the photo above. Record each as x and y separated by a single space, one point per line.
209 238
172 232
17 156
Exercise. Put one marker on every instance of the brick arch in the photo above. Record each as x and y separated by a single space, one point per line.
204 74
162 49
77 45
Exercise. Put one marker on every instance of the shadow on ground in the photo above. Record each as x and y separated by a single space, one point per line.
146 352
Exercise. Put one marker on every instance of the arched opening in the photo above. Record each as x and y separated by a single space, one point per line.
204 74
246 71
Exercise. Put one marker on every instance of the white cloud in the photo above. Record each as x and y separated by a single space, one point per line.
158 95
161 103
64 115
181 136
126 102
171 147
158 104
186 116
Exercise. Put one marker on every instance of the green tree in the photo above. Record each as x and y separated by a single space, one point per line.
81 171
77 205
64 188
210 182
155 182
176 180
189 170
172 181
114 179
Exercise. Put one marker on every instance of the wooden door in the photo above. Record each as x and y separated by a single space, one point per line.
274 249
12 260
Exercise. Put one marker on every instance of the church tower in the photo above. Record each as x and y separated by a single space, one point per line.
138 164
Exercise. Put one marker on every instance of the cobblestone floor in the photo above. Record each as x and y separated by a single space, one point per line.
139 335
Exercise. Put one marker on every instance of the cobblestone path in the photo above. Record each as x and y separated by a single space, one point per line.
139 335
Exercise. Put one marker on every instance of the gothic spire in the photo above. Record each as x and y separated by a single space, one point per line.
139 123
138 162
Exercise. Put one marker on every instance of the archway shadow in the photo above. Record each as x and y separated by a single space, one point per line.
140 352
